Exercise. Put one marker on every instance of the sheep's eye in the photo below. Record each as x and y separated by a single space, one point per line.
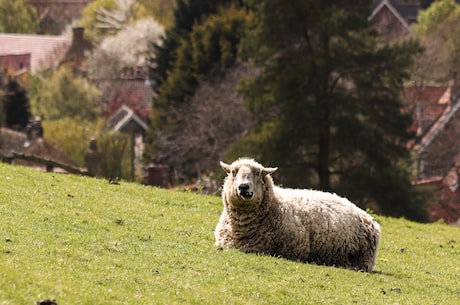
233 173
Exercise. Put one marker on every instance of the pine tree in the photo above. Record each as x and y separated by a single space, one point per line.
186 14
211 48
170 56
328 102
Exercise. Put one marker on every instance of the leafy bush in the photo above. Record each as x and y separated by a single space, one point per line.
74 135
64 95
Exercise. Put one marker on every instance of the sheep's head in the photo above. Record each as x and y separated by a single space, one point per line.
246 178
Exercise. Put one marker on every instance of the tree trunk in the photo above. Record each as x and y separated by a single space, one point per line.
323 158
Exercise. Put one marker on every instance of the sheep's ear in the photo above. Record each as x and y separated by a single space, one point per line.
268 170
225 166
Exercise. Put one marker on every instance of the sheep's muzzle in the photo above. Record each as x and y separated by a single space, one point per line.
245 192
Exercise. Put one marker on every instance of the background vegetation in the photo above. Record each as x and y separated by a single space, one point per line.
16 16
85 241
63 94
321 95
325 100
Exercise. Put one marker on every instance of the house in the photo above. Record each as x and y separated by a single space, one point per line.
133 93
427 103
125 120
32 52
392 18
78 52
35 53
439 149
437 152
16 62
446 205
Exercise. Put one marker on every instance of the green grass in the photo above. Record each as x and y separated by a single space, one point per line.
85 241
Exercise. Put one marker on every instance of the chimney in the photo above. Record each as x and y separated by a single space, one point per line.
77 35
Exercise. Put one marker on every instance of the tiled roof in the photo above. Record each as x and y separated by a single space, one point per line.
428 102
46 51
125 120
392 18
134 93
406 9
447 115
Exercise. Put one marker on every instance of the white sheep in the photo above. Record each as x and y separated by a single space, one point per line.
297 224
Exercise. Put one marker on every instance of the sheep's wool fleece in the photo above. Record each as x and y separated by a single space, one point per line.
297 224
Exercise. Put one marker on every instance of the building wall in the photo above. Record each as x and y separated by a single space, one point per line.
388 25
15 62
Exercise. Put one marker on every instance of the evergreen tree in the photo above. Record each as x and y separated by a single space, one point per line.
16 106
328 102
212 47
187 14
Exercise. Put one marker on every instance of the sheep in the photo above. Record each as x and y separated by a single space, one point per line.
296 224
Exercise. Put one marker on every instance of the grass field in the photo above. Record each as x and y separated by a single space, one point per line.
84 241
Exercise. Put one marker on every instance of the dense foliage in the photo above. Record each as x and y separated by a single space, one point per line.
437 29
186 14
211 47
199 48
73 135
127 48
65 95
328 103
16 16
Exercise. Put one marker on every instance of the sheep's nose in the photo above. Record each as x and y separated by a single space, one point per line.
243 187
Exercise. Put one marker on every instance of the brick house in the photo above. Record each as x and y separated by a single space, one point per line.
436 114
16 62
427 104
35 53
437 153
392 18
43 52
132 92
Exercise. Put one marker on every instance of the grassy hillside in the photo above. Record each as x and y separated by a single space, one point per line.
85 241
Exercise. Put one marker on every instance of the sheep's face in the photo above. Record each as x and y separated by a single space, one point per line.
245 178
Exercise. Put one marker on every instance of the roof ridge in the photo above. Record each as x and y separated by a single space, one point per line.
445 117
393 10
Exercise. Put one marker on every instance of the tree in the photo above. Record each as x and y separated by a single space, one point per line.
207 126
128 48
186 14
212 47
16 106
438 29
64 95
90 15
328 102
72 136
17 16
161 10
